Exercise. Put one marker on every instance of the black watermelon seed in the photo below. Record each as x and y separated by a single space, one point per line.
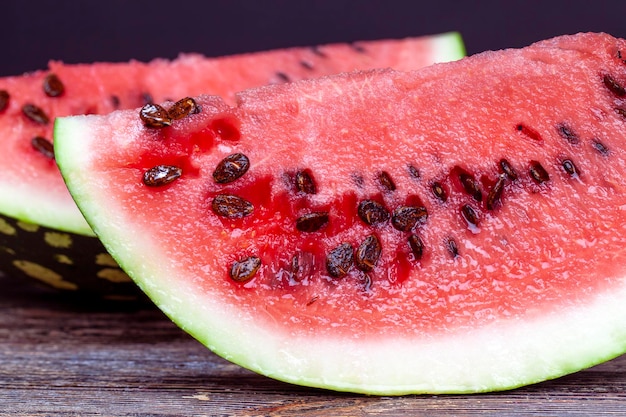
155 116
417 246
52 86
405 218
317 51
245 269
495 194
439 191
306 65
147 98
600 147
283 77
312 222
161 175
305 182
567 133
367 253
414 172
385 181
569 167
4 100
302 265
507 168
36 114
231 168
470 185
115 101
357 47
538 172
469 214
528 132
452 247
340 260
183 108
372 212
614 86
231 206
43 146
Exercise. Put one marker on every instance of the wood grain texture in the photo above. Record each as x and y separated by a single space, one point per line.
61 356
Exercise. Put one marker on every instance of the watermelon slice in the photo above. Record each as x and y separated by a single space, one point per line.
454 229
34 202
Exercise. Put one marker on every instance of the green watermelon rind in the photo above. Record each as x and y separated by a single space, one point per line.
508 354
25 204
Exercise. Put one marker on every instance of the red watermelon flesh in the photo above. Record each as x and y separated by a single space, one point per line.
31 188
454 229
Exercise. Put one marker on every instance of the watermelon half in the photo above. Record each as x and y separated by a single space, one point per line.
42 233
460 228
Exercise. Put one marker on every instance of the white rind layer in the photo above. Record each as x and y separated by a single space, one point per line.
504 355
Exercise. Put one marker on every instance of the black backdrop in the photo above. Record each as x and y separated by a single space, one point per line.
32 32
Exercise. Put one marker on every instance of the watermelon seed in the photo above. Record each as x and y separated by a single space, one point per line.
155 116
493 198
528 132
340 260
312 300
35 114
283 77
372 212
414 172
452 247
367 253
470 185
470 216
245 269
4 100
614 86
570 168
231 206
385 181
317 51
600 147
183 108
359 48
147 98
44 146
416 245
619 110
305 183
312 222
405 218
52 86
508 169
306 65
161 175
567 134
302 265
115 101
538 172
439 191
231 168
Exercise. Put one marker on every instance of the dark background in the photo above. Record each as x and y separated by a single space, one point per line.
32 32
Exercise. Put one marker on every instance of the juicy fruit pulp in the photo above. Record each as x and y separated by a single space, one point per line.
33 196
467 229
32 190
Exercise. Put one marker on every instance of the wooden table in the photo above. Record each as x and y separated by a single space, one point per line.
64 357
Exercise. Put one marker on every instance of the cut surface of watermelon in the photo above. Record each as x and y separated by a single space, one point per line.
455 229
31 188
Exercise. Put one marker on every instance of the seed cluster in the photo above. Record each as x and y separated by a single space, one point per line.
482 196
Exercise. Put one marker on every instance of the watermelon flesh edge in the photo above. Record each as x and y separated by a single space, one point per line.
535 290
31 189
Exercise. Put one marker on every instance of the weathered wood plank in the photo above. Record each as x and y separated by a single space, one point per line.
66 357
